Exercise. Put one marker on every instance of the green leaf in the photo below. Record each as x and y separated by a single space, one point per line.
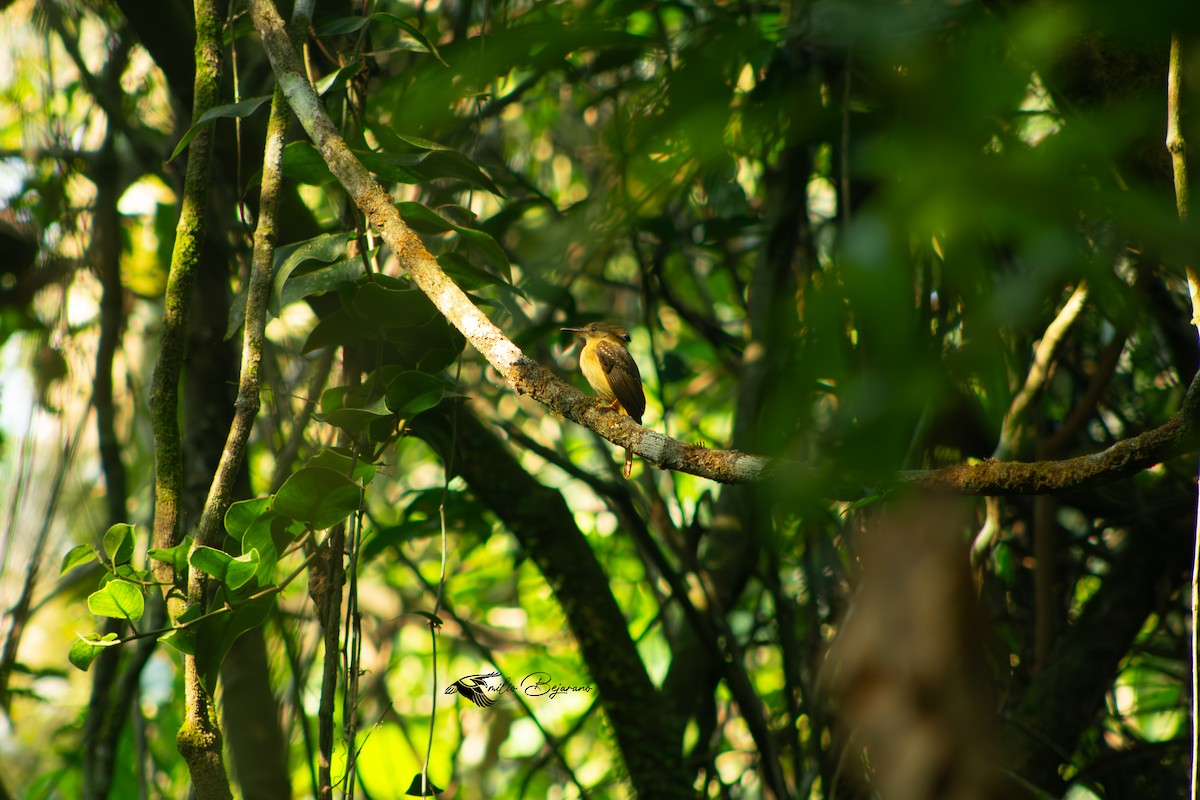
117 599
242 569
410 393
176 556
270 535
425 220
317 496
85 648
77 556
337 329
398 168
182 640
233 572
242 514
210 561
392 308
338 79
215 635
320 280
344 409
430 348
343 462
327 247
118 543
243 109
448 163
347 25
356 420
411 30
470 277
302 163
422 167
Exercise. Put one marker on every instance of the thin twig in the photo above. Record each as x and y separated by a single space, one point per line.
1039 370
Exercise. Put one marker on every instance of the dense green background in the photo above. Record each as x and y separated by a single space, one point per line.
837 231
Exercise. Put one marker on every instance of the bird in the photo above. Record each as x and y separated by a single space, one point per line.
474 688
612 372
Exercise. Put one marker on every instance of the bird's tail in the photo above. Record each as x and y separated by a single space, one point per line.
628 464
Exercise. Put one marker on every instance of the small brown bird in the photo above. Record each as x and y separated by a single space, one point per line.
612 372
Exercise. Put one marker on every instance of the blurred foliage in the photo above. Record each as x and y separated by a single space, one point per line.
837 231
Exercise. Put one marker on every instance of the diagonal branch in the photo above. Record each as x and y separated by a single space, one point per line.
1039 370
523 374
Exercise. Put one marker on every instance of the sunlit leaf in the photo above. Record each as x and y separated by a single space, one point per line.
118 543
234 572
77 556
86 648
118 599
176 556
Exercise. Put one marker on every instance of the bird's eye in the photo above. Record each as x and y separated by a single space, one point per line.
626 337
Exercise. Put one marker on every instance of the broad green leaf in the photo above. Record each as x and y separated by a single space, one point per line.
341 461
453 164
320 280
344 408
242 569
117 599
430 348
270 534
302 163
183 640
215 635
425 220
85 648
241 515
318 497
242 109
176 556
410 393
470 277
77 556
118 543
211 561
338 78
336 329
392 308
233 572
356 420
327 247
394 167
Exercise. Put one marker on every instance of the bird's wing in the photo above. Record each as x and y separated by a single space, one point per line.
623 378
480 698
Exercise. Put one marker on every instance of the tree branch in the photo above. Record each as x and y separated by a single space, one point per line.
1178 435
199 737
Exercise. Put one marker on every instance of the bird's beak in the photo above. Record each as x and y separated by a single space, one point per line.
571 330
